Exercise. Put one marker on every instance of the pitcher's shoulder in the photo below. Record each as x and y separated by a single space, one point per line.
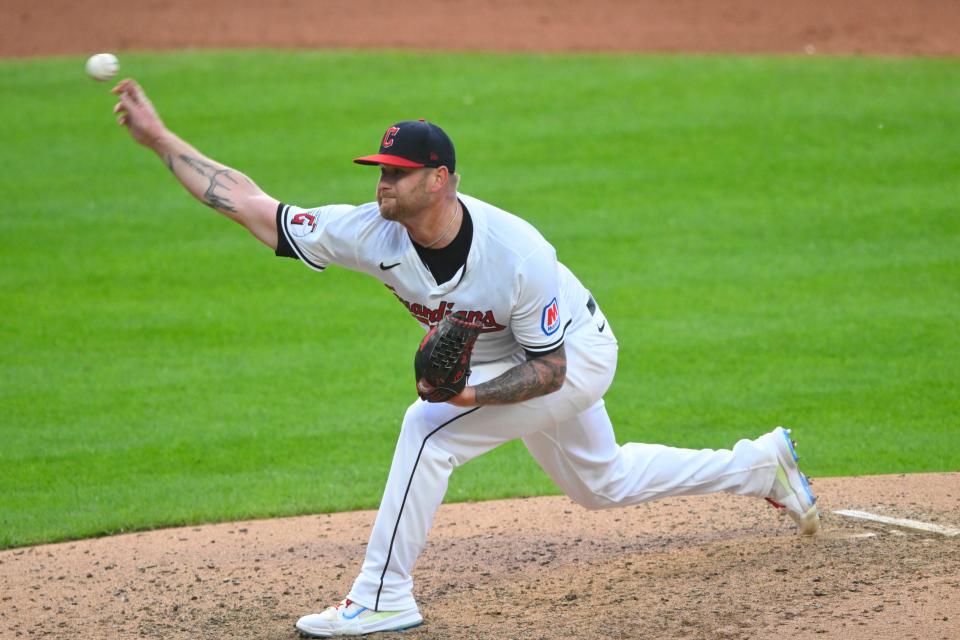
503 228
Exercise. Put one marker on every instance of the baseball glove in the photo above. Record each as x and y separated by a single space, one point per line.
443 359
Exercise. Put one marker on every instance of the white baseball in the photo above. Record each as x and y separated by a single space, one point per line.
102 66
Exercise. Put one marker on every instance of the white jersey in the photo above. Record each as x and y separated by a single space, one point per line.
511 283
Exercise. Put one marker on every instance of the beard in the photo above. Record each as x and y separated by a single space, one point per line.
398 209
390 209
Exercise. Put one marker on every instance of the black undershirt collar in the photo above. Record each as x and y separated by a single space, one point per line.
446 261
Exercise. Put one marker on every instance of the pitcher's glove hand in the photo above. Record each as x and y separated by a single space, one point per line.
443 359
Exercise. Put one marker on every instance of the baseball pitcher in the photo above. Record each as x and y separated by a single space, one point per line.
516 347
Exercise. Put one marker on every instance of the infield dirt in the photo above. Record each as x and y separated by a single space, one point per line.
708 567
887 27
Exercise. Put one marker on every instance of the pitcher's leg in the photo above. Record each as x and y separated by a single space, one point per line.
434 439
415 488
583 458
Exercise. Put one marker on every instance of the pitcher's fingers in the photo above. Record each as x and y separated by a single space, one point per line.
121 86
137 92
127 101
117 108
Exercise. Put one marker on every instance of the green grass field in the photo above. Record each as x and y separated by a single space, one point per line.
774 240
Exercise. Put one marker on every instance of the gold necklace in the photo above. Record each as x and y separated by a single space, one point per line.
449 224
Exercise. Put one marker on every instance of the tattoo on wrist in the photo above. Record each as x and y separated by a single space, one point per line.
531 379
218 178
169 162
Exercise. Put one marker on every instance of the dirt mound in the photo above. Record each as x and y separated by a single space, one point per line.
711 567
889 27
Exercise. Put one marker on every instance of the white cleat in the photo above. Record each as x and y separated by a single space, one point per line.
791 489
351 619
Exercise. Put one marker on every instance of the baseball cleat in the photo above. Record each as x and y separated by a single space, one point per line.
350 619
791 489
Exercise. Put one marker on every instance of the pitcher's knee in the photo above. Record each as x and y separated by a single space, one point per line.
591 500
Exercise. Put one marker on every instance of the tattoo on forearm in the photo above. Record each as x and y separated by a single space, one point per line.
169 161
216 177
531 379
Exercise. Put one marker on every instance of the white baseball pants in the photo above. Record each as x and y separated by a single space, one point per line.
570 436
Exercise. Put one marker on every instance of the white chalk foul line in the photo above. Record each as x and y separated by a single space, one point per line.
900 522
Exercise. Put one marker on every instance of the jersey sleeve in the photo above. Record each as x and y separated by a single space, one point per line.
318 237
540 319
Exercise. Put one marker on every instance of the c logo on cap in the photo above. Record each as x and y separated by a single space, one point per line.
388 137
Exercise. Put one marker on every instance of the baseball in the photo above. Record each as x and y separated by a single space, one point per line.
102 66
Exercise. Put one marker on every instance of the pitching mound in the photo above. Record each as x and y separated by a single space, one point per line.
709 567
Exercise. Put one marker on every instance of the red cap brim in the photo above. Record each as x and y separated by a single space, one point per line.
390 161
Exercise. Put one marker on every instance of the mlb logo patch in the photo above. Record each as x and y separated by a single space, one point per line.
550 320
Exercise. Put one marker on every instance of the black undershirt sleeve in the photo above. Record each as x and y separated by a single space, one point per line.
539 354
284 250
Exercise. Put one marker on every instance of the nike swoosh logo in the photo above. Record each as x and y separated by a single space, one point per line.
602 327
359 611
387 267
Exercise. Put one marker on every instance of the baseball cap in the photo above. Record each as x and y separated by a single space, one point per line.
415 144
